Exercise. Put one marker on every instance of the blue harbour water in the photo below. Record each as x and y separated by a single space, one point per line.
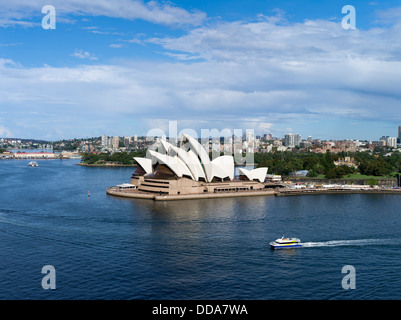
105 247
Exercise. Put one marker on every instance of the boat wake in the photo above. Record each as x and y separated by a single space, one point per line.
361 242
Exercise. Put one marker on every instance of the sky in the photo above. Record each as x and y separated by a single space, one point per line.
128 67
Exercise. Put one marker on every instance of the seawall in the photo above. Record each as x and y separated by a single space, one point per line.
157 197
283 193
279 193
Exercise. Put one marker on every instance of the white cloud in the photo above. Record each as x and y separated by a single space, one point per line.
392 15
4 62
14 23
83 55
310 41
5 133
9 44
152 11
117 45
266 73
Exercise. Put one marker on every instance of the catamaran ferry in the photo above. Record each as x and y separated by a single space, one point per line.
33 164
285 243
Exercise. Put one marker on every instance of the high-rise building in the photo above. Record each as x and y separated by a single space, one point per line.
127 141
267 136
116 142
391 141
292 140
105 140
399 134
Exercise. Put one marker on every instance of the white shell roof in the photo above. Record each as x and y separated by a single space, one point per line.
223 167
196 166
190 160
195 162
258 173
197 148
174 163
145 163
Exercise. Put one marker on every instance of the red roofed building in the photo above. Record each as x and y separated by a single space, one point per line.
34 155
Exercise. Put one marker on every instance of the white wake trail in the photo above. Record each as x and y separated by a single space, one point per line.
361 242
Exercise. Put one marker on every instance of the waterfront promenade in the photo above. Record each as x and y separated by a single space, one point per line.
311 191
279 192
114 191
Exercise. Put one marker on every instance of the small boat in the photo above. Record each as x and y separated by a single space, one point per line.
285 243
33 164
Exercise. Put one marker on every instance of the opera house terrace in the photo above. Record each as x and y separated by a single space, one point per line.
186 172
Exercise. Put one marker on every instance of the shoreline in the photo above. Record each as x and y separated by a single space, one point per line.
135 165
154 196
285 193
105 165
278 193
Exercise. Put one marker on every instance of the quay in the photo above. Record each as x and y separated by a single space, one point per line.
278 192
311 191
129 193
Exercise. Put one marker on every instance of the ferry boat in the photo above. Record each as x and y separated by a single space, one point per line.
33 164
285 243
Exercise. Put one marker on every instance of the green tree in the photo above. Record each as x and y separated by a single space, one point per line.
312 173
310 162
327 161
332 174
376 167
338 172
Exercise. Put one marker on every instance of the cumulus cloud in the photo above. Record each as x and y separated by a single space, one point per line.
268 74
313 67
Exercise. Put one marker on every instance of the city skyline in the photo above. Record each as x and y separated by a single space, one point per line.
289 139
130 66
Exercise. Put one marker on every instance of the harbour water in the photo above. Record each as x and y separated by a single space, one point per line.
103 247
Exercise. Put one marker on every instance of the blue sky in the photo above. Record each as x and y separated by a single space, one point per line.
124 67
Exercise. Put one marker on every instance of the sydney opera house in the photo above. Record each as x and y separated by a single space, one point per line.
188 170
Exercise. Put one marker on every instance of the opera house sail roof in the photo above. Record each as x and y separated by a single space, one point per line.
191 161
